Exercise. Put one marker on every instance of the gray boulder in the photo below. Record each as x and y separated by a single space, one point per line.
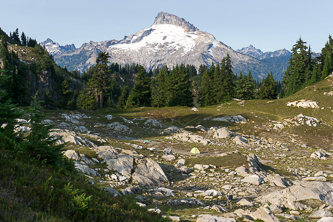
131 190
122 164
301 196
242 171
71 154
253 179
106 152
169 157
276 180
219 209
222 133
276 208
168 151
264 214
112 192
148 172
240 140
321 213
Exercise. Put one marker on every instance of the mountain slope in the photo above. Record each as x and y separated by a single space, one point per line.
169 41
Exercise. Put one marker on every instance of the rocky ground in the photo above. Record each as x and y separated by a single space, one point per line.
273 176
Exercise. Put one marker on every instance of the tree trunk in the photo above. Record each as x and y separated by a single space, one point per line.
101 99
97 104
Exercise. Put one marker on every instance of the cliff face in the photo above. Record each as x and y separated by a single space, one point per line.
41 83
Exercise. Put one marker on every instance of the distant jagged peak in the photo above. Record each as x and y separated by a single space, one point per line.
48 40
250 48
167 18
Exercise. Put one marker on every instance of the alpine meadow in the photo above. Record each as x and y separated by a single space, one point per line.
167 124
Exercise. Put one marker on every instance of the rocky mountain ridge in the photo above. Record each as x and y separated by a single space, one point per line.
169 41
258 54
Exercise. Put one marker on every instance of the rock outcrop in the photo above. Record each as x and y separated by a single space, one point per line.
301 196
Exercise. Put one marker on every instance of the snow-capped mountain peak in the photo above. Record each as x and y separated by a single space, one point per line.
54 47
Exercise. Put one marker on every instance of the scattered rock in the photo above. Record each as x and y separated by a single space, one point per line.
304 104
71 137
304 120
153 123
318 155
119 128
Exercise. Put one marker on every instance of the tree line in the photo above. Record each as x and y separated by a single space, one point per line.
304 69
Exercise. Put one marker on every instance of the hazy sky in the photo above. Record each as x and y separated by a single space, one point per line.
267 24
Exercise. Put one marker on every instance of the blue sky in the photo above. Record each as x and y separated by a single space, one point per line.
268 25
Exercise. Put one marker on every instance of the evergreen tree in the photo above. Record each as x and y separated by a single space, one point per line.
315 74
217 85
114 91
250 87
160 89
268 89
8 113
99 80
228 76
86 99
16 36
31 42
23 39
48 99
202 69
180 87
326 58
141 93
298 69
206 91
39 144
241 86
72 103
65 93
17 88
4 54
123 98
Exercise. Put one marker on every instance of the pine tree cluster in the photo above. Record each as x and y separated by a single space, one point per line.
304 70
